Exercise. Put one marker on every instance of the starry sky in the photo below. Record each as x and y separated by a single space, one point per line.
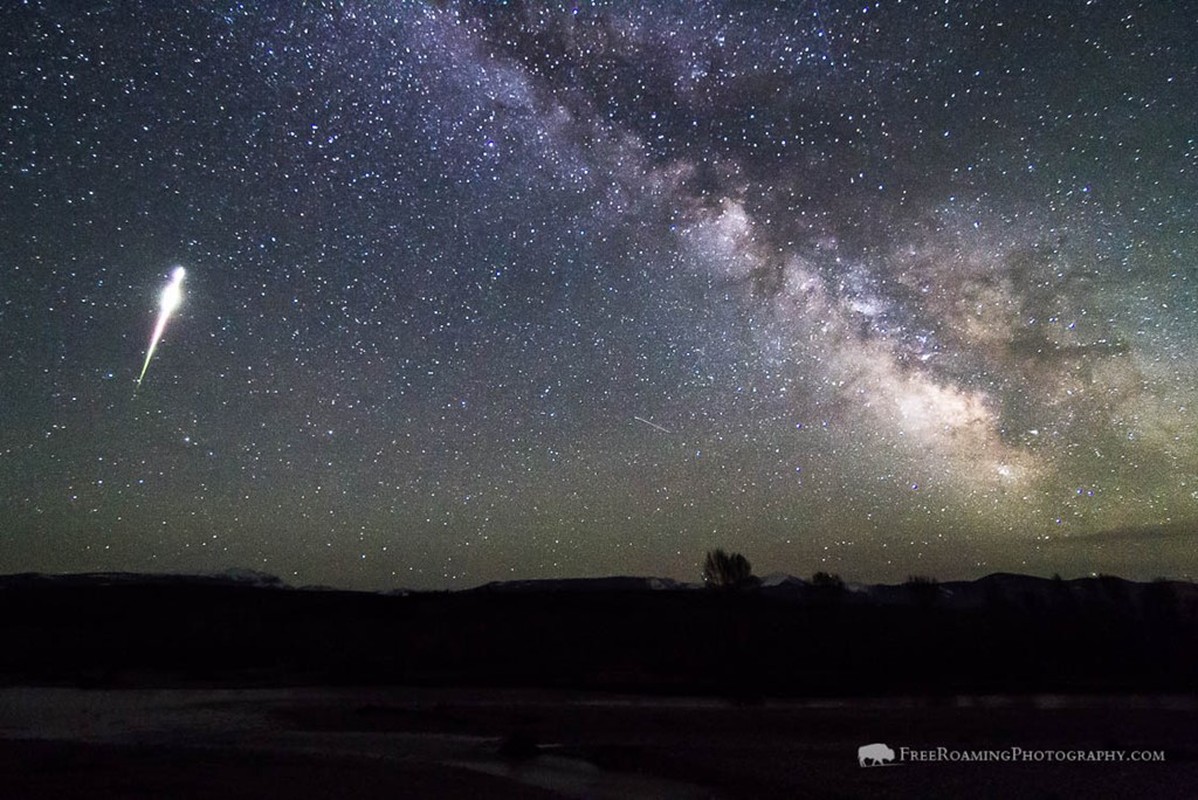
483 291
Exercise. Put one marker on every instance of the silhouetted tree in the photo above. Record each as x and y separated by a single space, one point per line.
922 589
726 570
827 580
826 588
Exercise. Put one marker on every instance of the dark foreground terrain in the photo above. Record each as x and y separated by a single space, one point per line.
788 638
128 686
396 743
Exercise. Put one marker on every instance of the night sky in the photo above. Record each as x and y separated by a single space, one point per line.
483 291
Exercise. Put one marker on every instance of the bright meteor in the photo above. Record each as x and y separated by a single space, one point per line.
172 296
653 424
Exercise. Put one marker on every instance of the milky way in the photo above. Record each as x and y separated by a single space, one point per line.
481 291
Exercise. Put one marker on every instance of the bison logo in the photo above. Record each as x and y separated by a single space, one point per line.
873 755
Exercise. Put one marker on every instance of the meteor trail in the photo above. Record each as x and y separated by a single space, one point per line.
171 297
653 424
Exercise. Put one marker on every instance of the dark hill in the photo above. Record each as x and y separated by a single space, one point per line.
1001 633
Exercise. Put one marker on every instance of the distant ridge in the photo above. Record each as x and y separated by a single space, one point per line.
617 583
234 576
966 594
783 635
